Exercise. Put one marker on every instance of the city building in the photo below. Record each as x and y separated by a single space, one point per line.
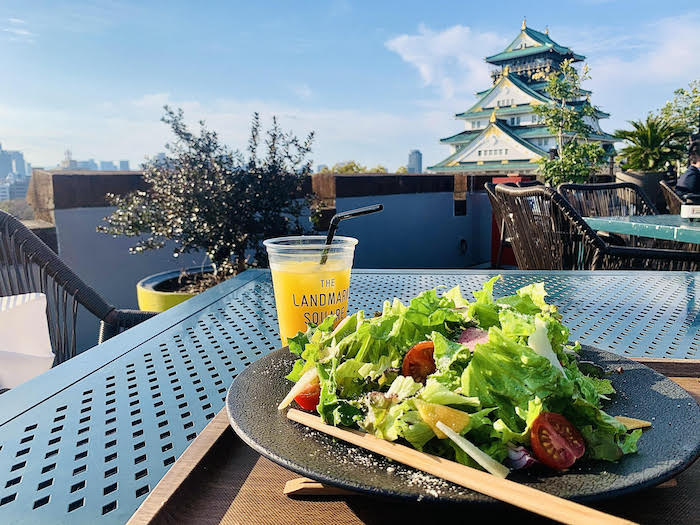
18 187
415 162
89 164
12 163
68 163
502 132
5 163
124 165
19 166
107 165
4 191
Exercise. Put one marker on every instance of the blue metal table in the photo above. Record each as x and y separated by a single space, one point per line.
669 227
87 441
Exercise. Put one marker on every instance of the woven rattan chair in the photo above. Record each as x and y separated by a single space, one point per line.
548 234
673 200
28 265
529 183
612 199
497 208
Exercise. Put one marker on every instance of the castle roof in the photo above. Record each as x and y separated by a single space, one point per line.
516 82
531 42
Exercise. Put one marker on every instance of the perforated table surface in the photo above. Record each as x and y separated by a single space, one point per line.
85 442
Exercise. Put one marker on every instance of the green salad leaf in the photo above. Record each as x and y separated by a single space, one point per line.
526 367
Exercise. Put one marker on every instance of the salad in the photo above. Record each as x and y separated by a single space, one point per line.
491 383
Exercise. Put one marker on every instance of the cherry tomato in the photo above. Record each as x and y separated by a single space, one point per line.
308 398
555 441
418 361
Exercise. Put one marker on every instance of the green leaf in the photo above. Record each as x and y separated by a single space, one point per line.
403 387
438 393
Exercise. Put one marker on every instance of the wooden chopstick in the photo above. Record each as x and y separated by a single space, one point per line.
542 503
309 487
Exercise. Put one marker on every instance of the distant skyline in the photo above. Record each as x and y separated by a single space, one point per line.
374 80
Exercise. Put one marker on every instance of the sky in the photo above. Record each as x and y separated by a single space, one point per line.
372 79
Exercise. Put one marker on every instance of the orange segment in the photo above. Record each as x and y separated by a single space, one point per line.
432 413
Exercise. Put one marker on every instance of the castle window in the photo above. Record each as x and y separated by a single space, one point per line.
479 153
505 151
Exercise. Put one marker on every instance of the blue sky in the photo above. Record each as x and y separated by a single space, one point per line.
373 79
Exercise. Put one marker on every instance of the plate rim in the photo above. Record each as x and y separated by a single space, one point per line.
427 497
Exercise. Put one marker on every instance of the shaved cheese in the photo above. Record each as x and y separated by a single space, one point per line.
632 423
310 377
474 452
539 342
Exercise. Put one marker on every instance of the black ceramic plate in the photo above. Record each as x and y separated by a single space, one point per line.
664 450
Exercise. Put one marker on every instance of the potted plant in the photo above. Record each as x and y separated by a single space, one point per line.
652 145
202 196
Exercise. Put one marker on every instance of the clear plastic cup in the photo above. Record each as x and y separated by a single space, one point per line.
306 289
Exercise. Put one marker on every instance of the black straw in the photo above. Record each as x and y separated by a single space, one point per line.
346 215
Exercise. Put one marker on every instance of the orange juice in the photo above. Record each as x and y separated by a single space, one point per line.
306 292
311 280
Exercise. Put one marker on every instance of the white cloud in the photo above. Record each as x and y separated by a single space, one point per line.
152 99
303 91
17 31
451 60
636 74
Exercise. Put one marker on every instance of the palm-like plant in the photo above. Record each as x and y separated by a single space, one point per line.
652 144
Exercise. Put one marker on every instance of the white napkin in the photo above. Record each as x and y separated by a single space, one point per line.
25 345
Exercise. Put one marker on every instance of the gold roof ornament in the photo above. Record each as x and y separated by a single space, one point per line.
492 118
522 27
506 70
546 30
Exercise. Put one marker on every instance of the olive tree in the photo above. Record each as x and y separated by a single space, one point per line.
203 196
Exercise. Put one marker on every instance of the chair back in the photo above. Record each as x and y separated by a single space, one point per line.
612 199
28 265
529 183
673 200
546 232
496 207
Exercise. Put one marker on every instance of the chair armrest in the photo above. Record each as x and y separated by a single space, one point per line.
118 320
129 318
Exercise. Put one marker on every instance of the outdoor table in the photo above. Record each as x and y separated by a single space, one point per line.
90 439
668 227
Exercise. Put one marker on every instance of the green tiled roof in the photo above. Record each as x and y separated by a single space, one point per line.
546 45
527 51
505 129
598 113
508 131
508 110
529 132
494 166
540 86
449 159
517 83
526 132
465 137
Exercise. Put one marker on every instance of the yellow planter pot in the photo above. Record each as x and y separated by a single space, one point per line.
153 300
